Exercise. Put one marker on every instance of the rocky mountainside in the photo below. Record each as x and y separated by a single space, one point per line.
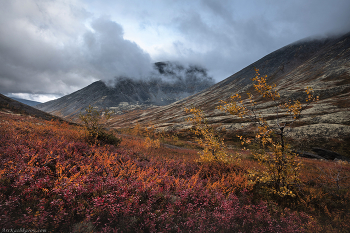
168 83
323 64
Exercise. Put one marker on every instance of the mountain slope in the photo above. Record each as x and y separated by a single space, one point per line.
323 65
13 106
169 82
27 102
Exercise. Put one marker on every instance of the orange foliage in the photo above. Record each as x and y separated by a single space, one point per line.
51 178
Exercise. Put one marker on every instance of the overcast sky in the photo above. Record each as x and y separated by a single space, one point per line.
50 48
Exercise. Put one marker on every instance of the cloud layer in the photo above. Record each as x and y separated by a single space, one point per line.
46 47
59 46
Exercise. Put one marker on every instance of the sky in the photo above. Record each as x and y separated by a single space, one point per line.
50 48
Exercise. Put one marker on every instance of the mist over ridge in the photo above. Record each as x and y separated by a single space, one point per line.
167 83
172 75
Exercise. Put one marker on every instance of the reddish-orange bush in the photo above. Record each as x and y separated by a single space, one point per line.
50 178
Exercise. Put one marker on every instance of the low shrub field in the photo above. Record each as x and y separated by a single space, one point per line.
53 179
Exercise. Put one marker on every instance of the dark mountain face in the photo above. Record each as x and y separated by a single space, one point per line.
168 83
323 65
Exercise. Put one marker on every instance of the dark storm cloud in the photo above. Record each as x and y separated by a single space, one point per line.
60 46
316 17
40 55
231 35
30 61
110 55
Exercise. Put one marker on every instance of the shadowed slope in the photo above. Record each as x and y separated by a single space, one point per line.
10 105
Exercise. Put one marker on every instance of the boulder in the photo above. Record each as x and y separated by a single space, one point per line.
308 155
329 155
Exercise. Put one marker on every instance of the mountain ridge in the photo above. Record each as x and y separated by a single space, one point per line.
323 65
12 106
171 83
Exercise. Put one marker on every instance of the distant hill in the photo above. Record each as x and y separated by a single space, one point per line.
27 102
8 104
169 82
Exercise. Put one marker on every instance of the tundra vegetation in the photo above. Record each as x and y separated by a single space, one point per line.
94 122
54 177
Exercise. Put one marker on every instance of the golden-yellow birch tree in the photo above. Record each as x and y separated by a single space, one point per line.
213 146
282 165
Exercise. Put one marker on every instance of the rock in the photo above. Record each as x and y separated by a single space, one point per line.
308 155
327 154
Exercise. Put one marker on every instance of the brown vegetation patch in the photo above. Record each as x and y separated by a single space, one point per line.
342 103
342 78
311 74
346 90
300 123
339 145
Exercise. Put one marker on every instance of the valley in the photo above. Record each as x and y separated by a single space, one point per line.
52 178
146 167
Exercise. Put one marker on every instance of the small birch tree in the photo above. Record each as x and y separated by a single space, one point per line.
282 165
213 146
94 122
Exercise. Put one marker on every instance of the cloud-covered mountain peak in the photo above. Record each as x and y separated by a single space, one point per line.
168 83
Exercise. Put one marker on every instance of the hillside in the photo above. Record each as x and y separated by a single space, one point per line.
51 178
8 104
323 64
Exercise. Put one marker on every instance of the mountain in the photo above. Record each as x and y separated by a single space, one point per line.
323 64
12 106
168 83
27 102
